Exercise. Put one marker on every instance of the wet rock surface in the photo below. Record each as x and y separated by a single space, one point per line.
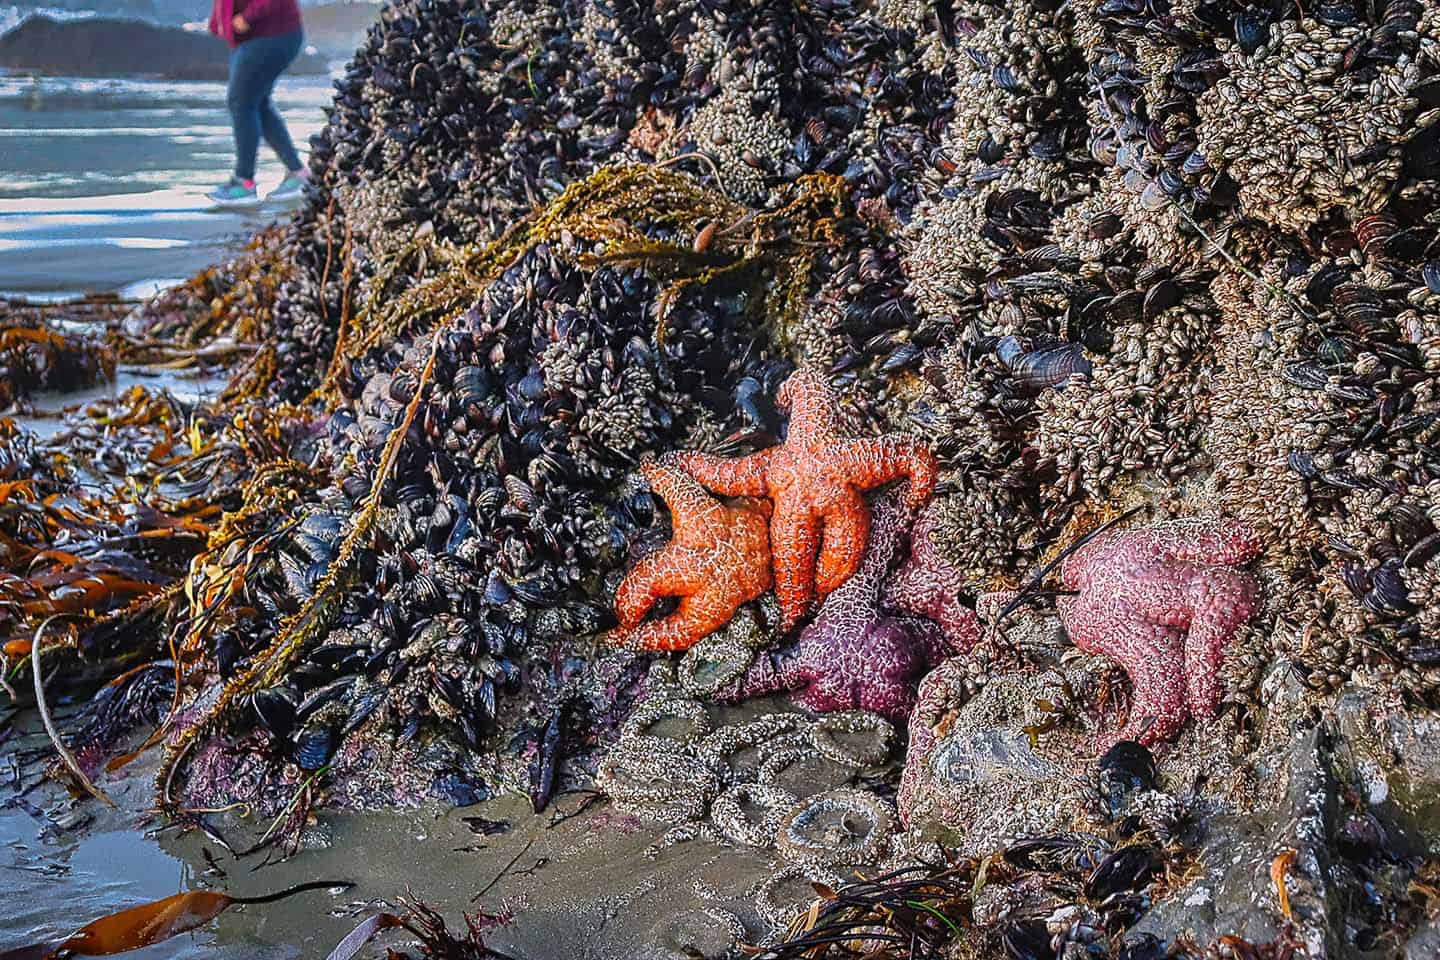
979 772
1331 870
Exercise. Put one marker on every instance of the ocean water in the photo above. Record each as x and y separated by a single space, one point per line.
103 181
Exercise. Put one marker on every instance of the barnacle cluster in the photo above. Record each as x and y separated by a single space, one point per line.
1224 297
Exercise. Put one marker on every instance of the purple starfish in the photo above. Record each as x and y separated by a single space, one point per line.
852 655
928 585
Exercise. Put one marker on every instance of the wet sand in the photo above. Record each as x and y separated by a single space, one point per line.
57 255
102 182
579 888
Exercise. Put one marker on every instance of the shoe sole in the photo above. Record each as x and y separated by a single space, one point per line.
247 203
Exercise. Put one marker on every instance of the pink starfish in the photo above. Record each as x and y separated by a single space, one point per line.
929 585
852 655
1163 601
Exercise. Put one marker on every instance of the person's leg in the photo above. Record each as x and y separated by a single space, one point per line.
243 96
272 125
279 54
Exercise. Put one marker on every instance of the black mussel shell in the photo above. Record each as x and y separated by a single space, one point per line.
1431 273
1303 463
1054 853
1159 298
1128 766
228 649
1322 286
1026 940
1410 524
1388 596
326 693
497 592
1252 28
1356 578
532 385
1050 145
314 746
1035 370
1424 656
322 526
1424 550
1195 164
1335 14
1335 350
458 791
275 706
366 701
1306 376
1122 871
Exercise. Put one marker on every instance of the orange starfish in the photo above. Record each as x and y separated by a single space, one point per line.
718 558
815 479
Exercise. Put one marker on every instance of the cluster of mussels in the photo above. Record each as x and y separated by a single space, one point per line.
1194 248
506 503
454 120
1181 252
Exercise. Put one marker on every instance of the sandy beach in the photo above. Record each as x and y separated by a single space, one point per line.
102 182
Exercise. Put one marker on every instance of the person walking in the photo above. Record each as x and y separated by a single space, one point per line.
265 37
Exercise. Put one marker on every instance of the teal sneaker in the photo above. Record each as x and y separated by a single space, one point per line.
288 189
235 194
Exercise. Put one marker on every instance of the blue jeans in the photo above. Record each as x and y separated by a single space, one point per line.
255 65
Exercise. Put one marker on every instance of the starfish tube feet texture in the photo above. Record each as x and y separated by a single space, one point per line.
718 558
1163 601
853 656
928 585
815 479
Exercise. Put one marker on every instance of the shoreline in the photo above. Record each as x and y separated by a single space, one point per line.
105 181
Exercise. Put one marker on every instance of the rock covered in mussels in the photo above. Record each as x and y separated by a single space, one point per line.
1081 269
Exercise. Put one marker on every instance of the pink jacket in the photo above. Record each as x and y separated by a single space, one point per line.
267 18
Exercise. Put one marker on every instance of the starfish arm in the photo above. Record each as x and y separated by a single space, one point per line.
1084 622
842 545
960 624
1202 675
1227 542
769 673
661 574
739 477
1222 602
811 403
691 508
694 619
1157 710
935 643
793 540
872 461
